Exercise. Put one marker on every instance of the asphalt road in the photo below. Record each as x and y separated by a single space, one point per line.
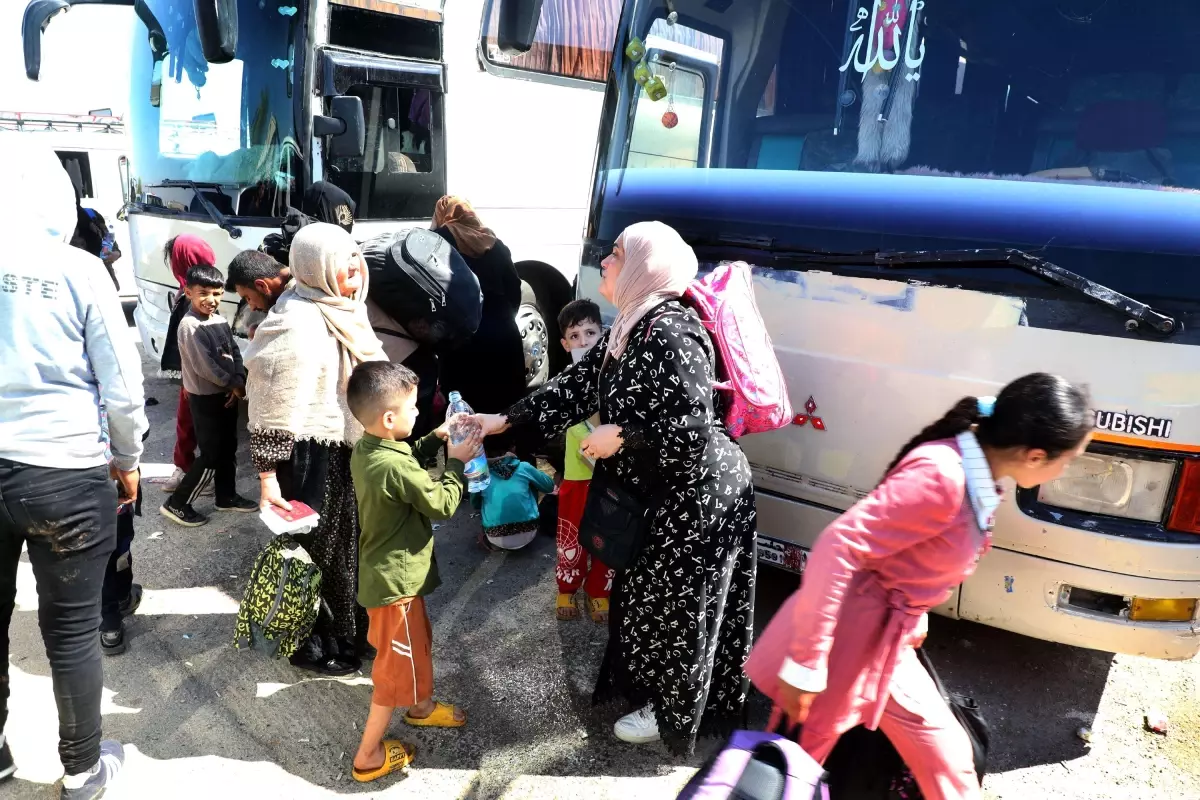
200 719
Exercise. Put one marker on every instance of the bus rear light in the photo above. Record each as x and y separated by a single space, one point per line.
1186 514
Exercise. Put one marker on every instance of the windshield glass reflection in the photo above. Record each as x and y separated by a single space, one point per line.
230 124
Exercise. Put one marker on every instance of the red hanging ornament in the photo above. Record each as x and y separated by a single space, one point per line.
670 119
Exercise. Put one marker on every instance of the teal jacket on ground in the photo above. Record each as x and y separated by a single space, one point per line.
511 497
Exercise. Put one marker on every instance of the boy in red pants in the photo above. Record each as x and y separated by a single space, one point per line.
182 253
581 329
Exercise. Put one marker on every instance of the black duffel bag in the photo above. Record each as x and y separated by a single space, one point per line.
422 282
864 765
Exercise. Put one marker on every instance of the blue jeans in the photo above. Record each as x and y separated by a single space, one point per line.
67 518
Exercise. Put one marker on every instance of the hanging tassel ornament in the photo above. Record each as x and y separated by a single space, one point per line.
670 119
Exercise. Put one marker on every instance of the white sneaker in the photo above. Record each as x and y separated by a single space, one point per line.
173 482
640 727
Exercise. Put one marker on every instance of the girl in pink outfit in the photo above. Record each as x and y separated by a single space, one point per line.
841 650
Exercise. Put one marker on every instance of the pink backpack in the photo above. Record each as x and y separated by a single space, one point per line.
747 368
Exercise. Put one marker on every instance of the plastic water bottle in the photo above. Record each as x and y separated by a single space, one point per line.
478 477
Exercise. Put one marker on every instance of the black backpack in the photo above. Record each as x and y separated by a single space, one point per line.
422 282
864 765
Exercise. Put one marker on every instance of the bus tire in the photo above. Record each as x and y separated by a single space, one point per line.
544 292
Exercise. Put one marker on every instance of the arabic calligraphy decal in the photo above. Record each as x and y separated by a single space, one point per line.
887 41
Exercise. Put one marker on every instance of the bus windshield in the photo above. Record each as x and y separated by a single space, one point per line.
230 124
1095 92
1066 128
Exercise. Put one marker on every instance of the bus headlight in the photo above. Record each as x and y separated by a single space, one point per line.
1096 483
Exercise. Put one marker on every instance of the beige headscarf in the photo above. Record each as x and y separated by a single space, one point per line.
659 265
295 381
318 252
457 215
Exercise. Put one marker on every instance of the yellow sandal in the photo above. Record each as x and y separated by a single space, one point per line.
565 607
598 607
397 756
442 716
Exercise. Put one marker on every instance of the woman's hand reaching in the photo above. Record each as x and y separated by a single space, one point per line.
604 442
492 423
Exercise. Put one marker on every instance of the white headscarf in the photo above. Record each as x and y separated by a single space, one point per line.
658 267
45 202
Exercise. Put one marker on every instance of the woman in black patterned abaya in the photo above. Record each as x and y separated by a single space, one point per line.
682 618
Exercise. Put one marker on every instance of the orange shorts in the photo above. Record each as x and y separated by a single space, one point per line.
403 671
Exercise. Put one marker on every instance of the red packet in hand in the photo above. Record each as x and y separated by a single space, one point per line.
300 519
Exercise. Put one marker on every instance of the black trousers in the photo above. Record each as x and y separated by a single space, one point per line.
216 433
118 576
67 519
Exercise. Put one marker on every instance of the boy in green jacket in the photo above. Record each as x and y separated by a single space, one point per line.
396 564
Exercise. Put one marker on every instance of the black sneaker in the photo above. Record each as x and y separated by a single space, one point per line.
239 504
131 603
186 516
7 767
112 643
112 758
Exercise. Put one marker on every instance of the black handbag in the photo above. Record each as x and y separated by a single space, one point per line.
967 712
614 523
864 765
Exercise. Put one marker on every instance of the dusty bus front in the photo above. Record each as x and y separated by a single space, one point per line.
939 196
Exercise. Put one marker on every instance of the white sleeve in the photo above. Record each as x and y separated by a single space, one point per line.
117 366
806 679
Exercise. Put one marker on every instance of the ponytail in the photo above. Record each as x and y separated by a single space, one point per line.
1038 411
959 419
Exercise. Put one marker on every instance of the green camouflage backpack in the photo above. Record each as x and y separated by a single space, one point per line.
281 601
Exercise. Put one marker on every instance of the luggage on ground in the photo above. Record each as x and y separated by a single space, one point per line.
282 600
423 283
758 766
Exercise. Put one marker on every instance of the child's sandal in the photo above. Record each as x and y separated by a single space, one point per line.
396 756
565 607
598 607
443 715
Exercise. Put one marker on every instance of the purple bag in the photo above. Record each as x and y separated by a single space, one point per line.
755 765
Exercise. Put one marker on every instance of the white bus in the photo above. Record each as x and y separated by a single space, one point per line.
940 196
238 106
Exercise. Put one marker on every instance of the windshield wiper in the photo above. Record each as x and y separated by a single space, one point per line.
217 217
1137 312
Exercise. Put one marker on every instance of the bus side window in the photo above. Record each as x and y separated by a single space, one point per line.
575 39
402 173
670 132
78 165
666 133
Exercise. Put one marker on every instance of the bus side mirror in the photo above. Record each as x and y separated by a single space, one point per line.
518 25
37 16
346 127
217 27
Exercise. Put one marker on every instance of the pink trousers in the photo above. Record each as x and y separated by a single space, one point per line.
919 724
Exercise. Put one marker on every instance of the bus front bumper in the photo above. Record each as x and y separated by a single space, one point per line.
1018 592
1076 605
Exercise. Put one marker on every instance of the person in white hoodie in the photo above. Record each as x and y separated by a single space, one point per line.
65 352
